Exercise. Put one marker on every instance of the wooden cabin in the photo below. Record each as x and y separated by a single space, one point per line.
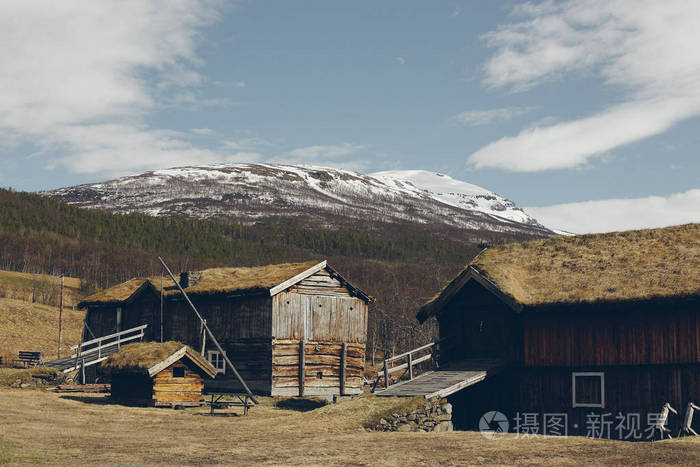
164 375
290 329
603 324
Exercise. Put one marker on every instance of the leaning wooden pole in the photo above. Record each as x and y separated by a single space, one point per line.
213 339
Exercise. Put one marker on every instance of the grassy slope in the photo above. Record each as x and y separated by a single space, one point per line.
31 326
92 431
20 285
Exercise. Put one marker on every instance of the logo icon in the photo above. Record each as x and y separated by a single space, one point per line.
492 423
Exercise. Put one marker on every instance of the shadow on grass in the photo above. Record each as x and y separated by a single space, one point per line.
215 414
97 400
301 404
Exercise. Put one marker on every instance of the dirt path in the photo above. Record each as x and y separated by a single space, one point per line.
38 427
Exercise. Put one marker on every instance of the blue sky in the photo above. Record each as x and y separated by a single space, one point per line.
586 113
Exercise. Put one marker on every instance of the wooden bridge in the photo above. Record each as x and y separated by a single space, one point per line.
437 382
94 351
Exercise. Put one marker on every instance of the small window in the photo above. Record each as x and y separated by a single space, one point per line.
178 372
217 361
588 389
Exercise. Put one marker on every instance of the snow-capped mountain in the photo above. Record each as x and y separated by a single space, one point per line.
322 196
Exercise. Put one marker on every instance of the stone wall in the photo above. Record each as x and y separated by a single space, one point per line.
435 415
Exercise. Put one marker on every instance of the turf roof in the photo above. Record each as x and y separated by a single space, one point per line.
139 357
610 267
215 281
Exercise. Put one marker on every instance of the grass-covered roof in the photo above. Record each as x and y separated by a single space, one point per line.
241 280
617 266
141 357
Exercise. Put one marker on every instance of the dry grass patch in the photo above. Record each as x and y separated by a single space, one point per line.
30 326
39 288
9 376
43 427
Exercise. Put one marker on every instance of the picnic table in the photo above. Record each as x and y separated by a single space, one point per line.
217 401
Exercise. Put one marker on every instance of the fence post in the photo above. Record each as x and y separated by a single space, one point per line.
302 365
343 363
386 375
410 366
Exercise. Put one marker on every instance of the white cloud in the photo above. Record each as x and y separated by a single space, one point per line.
72 78
647 51
401 60
484 117
621 214
455 12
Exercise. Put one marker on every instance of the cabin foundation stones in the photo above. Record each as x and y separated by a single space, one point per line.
434 415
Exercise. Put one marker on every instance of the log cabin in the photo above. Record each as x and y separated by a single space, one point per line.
167 374
603 324
295 329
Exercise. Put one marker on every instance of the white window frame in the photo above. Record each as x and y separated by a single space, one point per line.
601 375
220 364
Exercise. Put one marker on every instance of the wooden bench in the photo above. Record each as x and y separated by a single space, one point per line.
28 358
217 402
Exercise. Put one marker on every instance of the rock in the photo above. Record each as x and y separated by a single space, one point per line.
411 417
395 415
383 422
446 426
445 417
403 420
404 428
447 408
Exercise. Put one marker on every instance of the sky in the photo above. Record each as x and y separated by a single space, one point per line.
587 114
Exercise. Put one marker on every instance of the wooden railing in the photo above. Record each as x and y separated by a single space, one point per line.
411 358
94 351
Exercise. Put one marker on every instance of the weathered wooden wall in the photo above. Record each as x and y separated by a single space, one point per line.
102 321
322 365
169 390
319 308
476 324
644 335
641 389
132 389
321 311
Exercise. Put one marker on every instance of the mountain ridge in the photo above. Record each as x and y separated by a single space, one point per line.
322 196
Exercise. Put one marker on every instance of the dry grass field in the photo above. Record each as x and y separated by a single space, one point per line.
31 326
39 288
27 323
40 427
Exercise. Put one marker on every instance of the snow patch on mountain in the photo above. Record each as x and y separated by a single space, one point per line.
323 196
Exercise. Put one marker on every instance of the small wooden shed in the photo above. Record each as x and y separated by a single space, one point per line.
165 374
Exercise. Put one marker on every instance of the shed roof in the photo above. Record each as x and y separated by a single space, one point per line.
153 357
270 279
611 267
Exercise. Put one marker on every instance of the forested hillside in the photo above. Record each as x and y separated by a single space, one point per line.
401 265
